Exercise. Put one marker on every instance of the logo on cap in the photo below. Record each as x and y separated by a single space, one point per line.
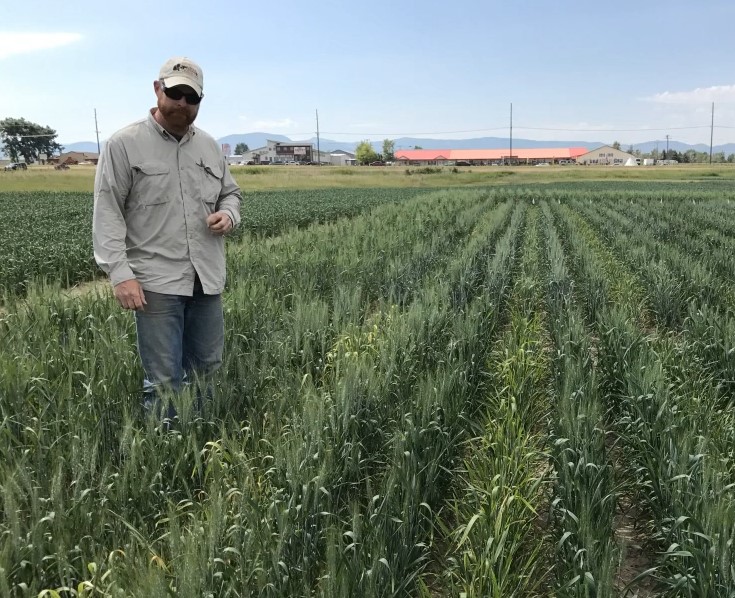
184 67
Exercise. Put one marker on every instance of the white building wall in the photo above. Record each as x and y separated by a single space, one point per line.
341 159
605 156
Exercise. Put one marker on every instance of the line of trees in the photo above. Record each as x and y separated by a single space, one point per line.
690 156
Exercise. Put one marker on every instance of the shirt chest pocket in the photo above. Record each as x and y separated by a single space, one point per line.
210 182
151 185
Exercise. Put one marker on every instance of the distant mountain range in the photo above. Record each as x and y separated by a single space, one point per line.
256 140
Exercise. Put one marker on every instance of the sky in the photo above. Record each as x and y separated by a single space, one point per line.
628 71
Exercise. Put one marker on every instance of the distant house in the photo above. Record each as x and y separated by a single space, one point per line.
71 158
342 158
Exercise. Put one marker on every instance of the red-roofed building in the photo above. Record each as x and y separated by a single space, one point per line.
481 157
75 158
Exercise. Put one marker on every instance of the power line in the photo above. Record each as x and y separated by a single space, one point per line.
27 136
616 130
404 134
515 126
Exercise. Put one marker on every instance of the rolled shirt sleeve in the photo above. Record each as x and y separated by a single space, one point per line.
230 197
111 187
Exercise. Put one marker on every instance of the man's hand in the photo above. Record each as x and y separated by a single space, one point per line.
219 223
129 295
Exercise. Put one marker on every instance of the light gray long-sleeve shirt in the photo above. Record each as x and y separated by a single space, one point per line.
152 196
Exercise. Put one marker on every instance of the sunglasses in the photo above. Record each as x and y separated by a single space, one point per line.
176 94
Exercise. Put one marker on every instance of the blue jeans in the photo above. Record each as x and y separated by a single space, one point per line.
180 341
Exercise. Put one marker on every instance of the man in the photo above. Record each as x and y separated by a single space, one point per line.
163 201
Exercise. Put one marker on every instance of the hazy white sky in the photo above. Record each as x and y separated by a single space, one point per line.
629 71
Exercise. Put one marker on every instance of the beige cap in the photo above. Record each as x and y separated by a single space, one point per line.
182 71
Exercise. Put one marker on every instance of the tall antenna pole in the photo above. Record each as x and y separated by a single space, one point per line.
96 130
510 158
711 132
318 150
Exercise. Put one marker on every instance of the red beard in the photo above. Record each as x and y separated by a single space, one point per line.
178 116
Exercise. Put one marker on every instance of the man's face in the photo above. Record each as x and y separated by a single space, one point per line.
178 112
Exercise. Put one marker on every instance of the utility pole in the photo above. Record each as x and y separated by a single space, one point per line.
510 158
97 131
318 150
711 132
